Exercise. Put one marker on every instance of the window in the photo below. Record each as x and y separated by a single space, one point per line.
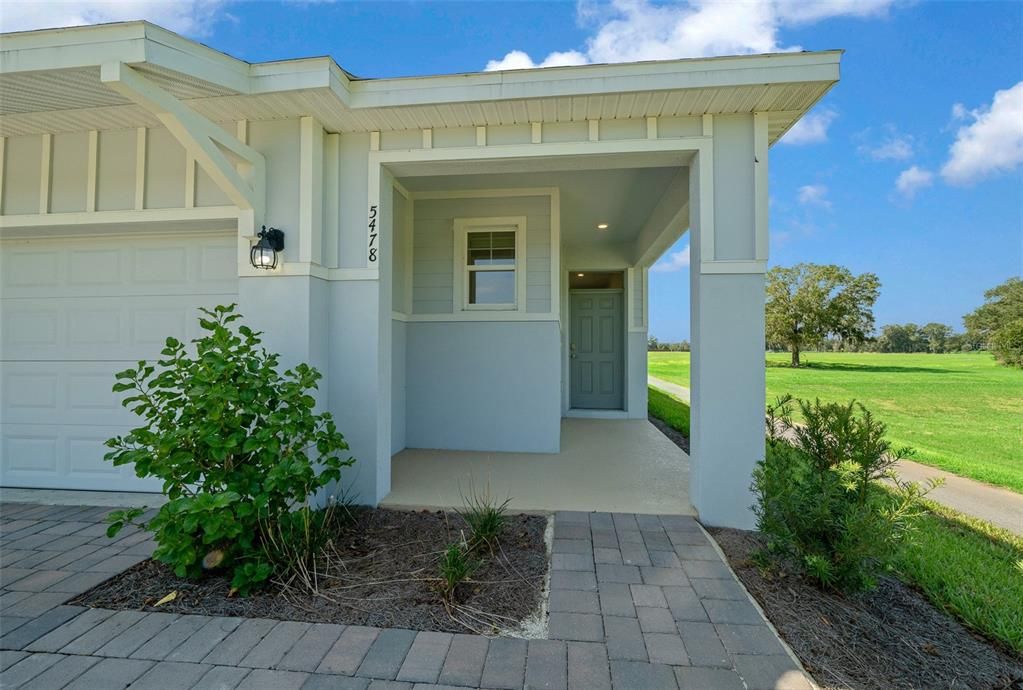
490 258
490 268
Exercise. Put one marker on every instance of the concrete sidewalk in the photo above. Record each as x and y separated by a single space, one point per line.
680 392
1000 507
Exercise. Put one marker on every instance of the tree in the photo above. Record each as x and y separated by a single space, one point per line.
807 302
938 337
901 338
1003 304
1007 344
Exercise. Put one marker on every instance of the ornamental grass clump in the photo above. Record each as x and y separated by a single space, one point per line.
455 567
818 501
484 516
239 449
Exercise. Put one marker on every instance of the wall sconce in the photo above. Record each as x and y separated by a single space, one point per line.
264 253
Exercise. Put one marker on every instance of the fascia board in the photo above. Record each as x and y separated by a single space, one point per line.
22 56
596 80
172 52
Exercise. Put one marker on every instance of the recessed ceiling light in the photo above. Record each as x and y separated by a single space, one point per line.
601 226
580 275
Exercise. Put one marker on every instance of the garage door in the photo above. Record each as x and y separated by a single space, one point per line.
72 313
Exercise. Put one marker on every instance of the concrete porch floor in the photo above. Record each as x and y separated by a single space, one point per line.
604 465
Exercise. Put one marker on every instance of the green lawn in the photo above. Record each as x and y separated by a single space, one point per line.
961 412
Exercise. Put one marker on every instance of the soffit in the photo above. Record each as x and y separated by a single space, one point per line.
30 107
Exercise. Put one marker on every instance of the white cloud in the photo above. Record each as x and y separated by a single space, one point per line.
517 59
812 129
808 11
814 195
633 30
193 17
992 141
676 261
895 147
912 180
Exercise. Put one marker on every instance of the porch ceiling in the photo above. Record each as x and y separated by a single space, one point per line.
621 197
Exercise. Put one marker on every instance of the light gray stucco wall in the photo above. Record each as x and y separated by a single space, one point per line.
491 386
433 248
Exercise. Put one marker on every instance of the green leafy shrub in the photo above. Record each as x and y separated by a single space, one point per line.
236 444
817 501
1007 344
484 515
456 565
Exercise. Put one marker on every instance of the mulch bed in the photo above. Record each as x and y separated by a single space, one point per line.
891 637
381 570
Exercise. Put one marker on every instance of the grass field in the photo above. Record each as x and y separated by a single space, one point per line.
961 412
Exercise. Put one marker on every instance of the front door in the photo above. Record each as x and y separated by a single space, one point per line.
595 350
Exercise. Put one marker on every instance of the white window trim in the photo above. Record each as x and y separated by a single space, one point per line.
463 226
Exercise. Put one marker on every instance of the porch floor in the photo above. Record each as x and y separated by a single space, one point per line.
604 465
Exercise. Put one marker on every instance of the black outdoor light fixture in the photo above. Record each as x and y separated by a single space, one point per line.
264 253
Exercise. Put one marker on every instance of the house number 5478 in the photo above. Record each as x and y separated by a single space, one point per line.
372 234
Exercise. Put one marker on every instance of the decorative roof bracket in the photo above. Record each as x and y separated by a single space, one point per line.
238 169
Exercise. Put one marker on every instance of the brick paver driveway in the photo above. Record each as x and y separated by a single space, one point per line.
637 602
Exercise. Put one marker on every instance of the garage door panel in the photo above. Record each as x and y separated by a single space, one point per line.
100 328
119 268
72 393
64 457
73 313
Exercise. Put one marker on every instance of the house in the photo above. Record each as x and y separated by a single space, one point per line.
464 257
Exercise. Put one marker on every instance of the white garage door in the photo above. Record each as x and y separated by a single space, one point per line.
74 312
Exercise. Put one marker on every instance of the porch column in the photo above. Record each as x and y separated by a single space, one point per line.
728 255
360 325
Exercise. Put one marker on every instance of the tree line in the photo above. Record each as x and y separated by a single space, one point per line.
815 307
812 306
936 338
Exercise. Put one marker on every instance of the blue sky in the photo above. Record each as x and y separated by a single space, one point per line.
875 180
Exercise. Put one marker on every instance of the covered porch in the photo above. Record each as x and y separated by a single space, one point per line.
607 465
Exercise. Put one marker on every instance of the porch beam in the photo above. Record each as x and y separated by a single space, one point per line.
666 223
217 151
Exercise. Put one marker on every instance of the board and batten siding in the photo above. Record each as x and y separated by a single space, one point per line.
433 248
163 171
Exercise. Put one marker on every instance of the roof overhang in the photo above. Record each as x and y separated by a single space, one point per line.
50 82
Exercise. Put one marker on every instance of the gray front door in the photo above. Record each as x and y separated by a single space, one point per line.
595 350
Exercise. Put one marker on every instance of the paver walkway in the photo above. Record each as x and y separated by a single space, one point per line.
1000 507
637 602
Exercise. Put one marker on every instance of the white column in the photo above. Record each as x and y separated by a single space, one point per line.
727 322
360 329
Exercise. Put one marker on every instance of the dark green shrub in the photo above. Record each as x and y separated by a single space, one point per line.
484 515
817 501
1007 344
237 445
456 565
